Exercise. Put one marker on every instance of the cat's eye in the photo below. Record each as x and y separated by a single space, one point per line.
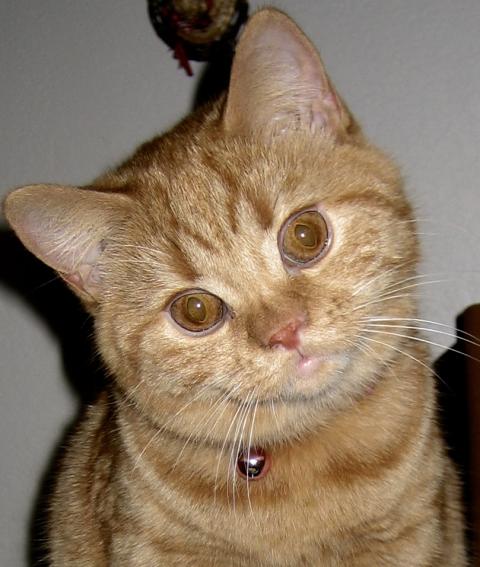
304 238
197 311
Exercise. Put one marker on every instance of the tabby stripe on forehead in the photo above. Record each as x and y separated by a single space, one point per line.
226 178
261 208
231 206
180 228
180 262
187 232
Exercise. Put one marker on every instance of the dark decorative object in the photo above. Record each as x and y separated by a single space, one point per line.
197 29
253 463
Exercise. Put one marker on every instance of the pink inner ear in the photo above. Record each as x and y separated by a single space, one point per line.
65 227
279 82
306 67
86 274
74 279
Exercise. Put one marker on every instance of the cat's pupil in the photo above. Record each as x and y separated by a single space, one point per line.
196 310
306 235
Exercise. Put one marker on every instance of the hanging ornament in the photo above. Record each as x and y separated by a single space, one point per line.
197 29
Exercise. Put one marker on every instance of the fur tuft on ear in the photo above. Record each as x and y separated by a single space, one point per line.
67 228
279 82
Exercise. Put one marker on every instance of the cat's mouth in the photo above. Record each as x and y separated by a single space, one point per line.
314 374
307 365
304 376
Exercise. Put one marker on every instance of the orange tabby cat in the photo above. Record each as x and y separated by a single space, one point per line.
240 270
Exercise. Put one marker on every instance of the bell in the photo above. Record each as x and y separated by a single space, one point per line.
253 463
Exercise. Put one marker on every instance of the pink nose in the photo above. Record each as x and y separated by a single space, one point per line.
287 336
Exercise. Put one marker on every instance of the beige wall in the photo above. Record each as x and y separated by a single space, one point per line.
83 82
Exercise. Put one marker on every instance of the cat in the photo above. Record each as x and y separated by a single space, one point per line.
243 271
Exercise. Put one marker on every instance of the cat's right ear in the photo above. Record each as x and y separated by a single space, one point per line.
68 229
279 83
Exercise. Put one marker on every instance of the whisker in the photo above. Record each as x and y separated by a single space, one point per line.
365 349
382 300
426 341
426 321
248 459
368 283
223 448
416 277
436 221
387 292
44 284
236 446
400 351
220 402
427 329
161 429
227 398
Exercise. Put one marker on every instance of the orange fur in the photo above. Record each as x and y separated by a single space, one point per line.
359 471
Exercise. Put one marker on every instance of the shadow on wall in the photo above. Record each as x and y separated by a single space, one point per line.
64 317
214 79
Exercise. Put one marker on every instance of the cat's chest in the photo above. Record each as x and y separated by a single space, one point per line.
295 510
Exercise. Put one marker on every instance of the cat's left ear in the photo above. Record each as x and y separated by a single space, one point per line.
68 228
279 83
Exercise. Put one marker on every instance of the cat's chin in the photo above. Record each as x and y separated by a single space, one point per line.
322 387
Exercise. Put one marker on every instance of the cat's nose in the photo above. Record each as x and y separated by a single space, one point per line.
288 336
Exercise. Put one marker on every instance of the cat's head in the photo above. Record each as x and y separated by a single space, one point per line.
232 263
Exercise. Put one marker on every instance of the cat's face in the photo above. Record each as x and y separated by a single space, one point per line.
241 254
210 295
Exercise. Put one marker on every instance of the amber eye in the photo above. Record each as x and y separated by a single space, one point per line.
197 311
304 238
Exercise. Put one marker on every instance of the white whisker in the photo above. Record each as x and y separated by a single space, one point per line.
410 286
419 339
248 458
400 351
426 321
426 329
415 277
222 401
234 419
382 300
164 426
369 282
237 444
